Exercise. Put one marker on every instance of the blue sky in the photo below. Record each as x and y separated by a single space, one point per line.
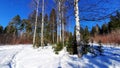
10 8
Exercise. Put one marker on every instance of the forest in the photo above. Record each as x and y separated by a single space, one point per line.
40 29
60 34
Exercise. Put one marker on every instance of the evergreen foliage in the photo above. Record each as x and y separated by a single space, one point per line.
95 30
114 22
70 44
58 47
86 35
1 29
104 29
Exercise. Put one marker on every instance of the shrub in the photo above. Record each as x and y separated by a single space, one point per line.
70 47
58 47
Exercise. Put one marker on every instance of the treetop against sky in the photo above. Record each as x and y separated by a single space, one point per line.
89 9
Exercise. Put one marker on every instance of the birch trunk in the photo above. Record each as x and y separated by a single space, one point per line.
63 32
76 9
62 25
60 18
36 18
42 27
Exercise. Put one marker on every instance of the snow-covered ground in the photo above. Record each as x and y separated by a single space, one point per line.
25 56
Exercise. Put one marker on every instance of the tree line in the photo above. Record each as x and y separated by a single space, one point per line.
106 28
19 29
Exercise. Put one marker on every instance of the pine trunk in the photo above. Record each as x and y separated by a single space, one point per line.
53 30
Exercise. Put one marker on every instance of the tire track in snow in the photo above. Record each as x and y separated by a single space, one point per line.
13 60
7 59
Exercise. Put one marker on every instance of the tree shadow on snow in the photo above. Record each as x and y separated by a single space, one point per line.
101 61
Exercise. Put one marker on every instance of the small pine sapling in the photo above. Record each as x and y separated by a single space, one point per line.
58 47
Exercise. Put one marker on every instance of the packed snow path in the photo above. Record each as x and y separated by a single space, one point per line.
25 56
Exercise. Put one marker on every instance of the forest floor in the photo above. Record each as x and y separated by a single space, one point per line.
25 56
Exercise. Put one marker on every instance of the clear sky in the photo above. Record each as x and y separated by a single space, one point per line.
10 8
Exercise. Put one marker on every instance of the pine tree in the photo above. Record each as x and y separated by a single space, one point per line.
15 24
104 29
70 44
26 27
114 22
86 36
1 29
97 30
53 23
93 31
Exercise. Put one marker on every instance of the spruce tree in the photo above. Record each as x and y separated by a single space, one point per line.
93 31
70 44
86 35
114 22
1 29
104 29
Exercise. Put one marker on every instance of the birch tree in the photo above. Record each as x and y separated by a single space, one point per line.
42 26
76 10
93 11
36 20
59 9
61 19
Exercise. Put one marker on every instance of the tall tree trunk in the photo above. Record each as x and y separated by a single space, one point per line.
42 41
76 9
63 32
36 18
62 15
57 32
53 29
60 19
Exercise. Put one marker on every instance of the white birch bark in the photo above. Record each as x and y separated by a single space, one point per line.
63 33
62 15
42 26
36 18
57 22
60 18
76 9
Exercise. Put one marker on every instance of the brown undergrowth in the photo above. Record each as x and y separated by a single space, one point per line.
113 37
11 39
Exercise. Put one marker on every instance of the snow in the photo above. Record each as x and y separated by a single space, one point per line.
25 56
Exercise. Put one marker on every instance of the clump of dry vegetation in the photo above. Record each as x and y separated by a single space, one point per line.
113 37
